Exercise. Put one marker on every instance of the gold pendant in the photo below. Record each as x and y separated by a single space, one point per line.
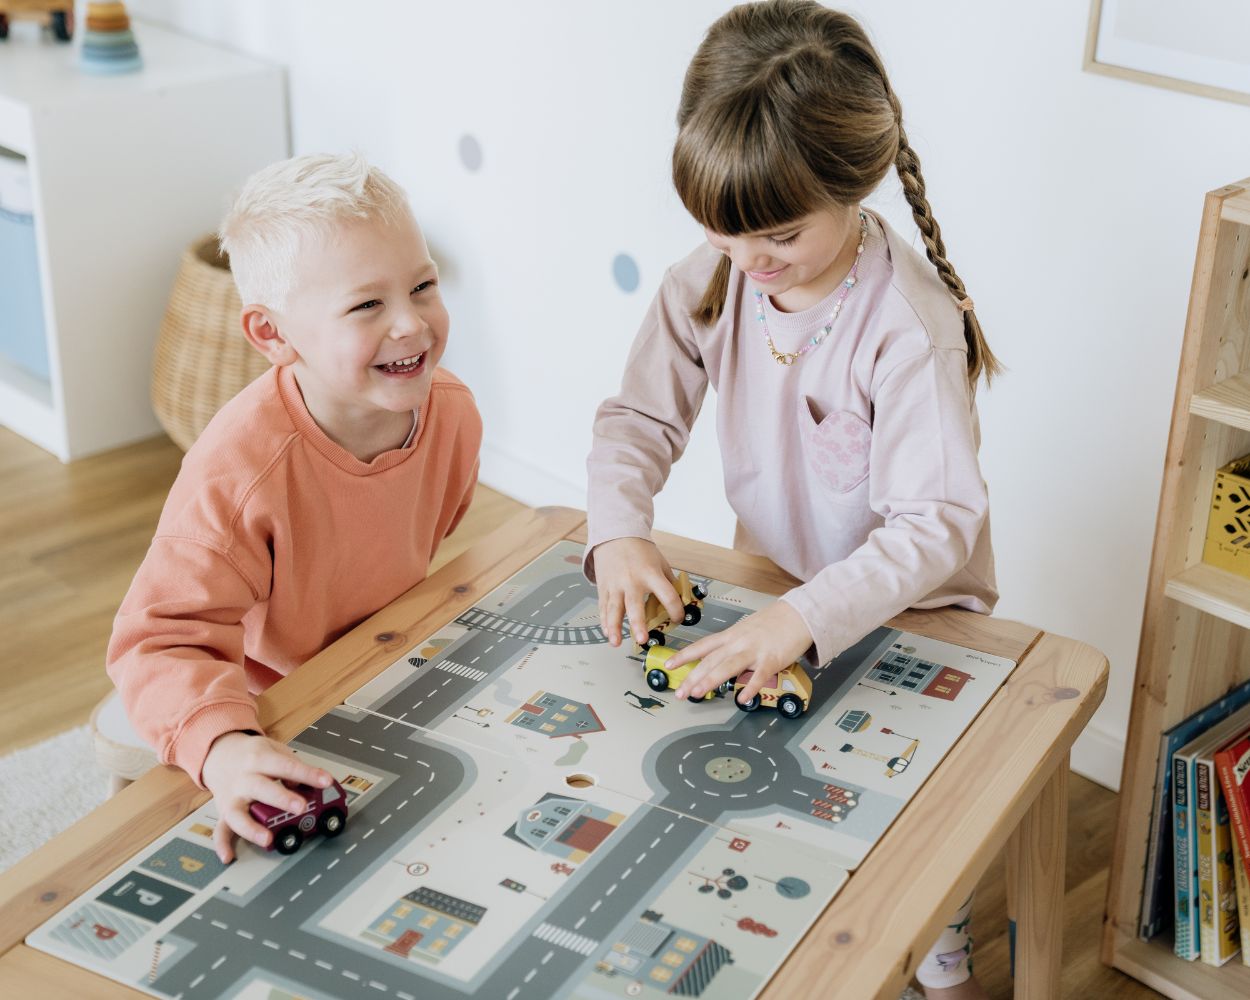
786 359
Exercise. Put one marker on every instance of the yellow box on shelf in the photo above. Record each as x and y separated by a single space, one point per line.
1228 529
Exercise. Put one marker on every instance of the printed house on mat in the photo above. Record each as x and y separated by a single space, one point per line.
425 923
568 828
677 961
901 670
556 716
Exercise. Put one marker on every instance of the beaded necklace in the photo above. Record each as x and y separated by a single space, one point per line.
787 358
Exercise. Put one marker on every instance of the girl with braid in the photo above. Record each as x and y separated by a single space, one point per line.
845 366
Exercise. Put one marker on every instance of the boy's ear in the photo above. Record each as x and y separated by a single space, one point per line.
261 329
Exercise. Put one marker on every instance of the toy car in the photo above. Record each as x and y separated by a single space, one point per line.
660 678
55 14
325 810
657 619
790 692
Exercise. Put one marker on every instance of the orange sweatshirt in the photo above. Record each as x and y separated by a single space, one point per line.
275 541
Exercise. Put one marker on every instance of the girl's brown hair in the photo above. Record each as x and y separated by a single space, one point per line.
786 109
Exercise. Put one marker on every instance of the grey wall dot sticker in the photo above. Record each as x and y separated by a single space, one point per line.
470 152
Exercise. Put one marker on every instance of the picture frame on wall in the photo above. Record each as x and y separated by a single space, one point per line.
1199 47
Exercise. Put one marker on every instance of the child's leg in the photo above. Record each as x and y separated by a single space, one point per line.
948 964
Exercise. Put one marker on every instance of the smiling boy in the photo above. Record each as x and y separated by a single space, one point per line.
316 496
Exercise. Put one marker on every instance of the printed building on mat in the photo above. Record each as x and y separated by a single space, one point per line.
553 715
568 828
425 923
910 673
679 962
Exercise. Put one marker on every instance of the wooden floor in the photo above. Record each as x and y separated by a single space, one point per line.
71 537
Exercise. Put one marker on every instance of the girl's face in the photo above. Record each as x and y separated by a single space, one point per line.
798 265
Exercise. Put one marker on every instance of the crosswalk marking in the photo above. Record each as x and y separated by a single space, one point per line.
565 938
460 669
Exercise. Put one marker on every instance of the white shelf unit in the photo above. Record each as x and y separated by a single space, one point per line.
126 171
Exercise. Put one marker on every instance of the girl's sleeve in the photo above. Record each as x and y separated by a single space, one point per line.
640 432
176 653
925 482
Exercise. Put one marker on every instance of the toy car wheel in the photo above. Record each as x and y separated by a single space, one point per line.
789 706
657 680
63 25
699 591
692 615
332 822
4 26
287 841
654 638
749 706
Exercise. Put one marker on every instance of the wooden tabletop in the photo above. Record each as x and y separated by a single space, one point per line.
870 937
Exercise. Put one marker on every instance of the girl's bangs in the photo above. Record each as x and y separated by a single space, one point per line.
738 176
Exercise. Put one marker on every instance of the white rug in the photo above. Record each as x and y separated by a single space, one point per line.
44 789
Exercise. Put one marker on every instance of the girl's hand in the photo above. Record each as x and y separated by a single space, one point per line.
764 642
626 571
241 769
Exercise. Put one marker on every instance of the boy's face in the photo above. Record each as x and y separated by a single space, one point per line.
364 322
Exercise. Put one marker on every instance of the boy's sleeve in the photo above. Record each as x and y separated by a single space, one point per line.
465 500
176 653
640 432
925 481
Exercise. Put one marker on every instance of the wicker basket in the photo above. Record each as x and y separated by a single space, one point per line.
202 357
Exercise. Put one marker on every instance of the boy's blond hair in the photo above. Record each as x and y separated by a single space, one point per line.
292 200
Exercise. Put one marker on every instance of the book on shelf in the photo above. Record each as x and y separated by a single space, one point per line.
1218 925
1233 765
1186 890
1157 897
1243 904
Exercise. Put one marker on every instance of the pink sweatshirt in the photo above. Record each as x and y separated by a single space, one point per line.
275 541
855 469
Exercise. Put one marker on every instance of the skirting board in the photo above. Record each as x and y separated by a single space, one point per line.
524 481
1098 754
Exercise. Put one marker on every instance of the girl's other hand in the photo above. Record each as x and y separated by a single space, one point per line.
626 571
764 642
241 769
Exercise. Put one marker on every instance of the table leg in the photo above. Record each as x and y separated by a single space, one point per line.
1036 854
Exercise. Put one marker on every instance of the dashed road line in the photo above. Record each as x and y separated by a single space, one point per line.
217 964
276 912
271 944
324 965
298 893
246 934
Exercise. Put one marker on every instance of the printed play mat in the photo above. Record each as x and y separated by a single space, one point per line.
529 818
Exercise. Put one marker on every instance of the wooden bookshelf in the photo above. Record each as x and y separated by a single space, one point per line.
1195 638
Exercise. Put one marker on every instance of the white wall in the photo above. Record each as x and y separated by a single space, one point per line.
1069 202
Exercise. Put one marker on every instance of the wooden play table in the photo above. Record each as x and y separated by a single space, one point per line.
1003 785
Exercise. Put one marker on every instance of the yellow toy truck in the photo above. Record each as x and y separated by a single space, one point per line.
790 692
657 619
661 678
55 14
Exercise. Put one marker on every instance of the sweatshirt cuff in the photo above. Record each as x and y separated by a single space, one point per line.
599 534
829 642
191 743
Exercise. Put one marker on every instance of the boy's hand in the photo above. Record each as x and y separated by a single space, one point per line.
764 642
626 571
241 769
